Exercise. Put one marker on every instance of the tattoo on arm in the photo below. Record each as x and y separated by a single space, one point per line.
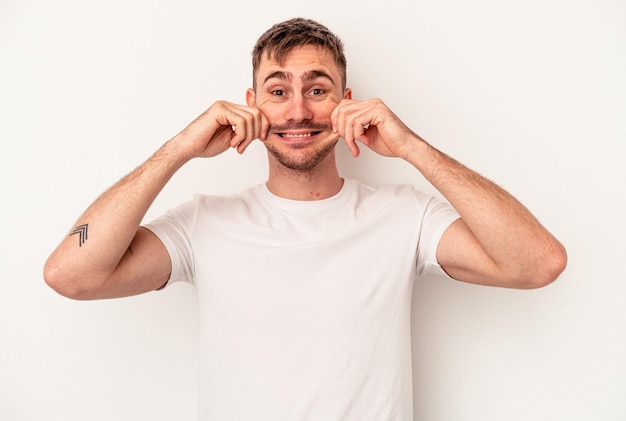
82 234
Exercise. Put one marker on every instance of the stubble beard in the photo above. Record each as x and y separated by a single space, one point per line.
297 158
301 160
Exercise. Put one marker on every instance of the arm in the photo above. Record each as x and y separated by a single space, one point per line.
106 253
497 241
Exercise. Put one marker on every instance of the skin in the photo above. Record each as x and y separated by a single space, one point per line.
294 96
300 111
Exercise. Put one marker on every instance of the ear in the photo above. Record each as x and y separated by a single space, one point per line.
250 97
347 93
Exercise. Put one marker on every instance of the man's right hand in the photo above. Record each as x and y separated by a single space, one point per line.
119 258
224 125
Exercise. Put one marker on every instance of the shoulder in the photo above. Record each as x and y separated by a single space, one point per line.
390 194
222 202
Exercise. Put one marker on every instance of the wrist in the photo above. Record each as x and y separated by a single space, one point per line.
414 149
173 154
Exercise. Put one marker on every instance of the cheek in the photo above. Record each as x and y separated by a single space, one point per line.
325 111
267 106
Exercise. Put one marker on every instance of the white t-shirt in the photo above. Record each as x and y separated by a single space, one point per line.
305 305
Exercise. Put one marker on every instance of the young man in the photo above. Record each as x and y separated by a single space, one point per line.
304 282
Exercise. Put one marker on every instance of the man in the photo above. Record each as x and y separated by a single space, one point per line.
304 282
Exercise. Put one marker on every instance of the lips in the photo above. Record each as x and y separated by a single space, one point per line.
301 130
297 135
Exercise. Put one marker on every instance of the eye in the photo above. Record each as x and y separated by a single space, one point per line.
317 92
278 92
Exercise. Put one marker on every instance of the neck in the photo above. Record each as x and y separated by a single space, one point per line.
320 182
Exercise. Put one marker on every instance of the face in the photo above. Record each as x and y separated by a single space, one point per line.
297 98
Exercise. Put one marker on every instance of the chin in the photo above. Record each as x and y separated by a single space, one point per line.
302 158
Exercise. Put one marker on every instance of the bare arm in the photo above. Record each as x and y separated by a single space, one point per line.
497 241
106 254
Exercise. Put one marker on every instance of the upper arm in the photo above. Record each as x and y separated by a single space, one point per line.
530 261
146 266
462 257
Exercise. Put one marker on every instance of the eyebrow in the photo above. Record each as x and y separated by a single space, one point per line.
306 76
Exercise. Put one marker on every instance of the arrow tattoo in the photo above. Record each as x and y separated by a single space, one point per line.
82 234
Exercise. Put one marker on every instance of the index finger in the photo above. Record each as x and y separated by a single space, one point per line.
259 128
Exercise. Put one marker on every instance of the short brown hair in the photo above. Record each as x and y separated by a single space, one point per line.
278 41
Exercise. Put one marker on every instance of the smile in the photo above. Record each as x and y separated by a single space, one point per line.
297 135
301 130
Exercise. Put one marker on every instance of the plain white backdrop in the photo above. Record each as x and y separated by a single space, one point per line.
531 94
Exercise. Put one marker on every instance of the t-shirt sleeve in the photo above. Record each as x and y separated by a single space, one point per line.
437 217
174 230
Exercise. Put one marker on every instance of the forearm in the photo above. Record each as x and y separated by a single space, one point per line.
105 253
497 241
520 248
97 242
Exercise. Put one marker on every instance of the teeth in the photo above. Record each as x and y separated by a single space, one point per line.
296 135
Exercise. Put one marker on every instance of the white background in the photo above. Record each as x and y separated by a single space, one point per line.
531 94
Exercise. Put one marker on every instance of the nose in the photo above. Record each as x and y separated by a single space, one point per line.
298 110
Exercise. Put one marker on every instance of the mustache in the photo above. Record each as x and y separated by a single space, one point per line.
305 125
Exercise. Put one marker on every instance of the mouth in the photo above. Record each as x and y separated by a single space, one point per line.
296 136
299 131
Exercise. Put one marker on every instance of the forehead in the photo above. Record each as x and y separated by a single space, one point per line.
300 60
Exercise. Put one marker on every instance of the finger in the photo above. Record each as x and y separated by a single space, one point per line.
258 128
238 134
359 129
334 119
264 126
353 147
243 121
254 125
243 145
338 119
342 122
248 124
